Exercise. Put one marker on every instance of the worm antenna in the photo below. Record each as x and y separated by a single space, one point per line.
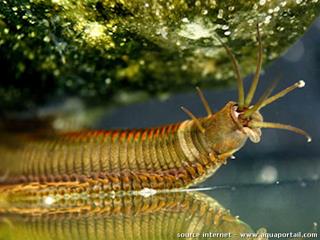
261 100
256 78
236 69
204 101
280 126
282 93
194 118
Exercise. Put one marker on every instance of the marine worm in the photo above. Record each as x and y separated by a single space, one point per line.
168 157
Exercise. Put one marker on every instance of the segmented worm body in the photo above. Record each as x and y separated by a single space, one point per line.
168 157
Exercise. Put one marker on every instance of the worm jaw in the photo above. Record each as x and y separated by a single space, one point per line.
243 123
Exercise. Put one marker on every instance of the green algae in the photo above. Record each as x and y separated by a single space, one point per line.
99 50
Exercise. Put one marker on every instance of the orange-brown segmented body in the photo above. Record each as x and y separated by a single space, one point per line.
167 157
102 162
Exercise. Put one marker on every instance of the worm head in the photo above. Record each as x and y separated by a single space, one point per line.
247 116
224 131
227 130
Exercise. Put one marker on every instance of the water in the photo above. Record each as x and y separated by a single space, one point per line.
280 207
232 210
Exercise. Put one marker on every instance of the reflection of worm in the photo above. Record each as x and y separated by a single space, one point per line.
168 157
162 216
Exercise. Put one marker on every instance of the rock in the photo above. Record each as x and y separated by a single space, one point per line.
107 51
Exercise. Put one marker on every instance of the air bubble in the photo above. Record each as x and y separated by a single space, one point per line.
185 20
108 81
267 19
204 12
276 9
284 3
225 27
220 13
46 39
262 2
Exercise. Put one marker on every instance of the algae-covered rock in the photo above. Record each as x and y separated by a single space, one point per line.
101 50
